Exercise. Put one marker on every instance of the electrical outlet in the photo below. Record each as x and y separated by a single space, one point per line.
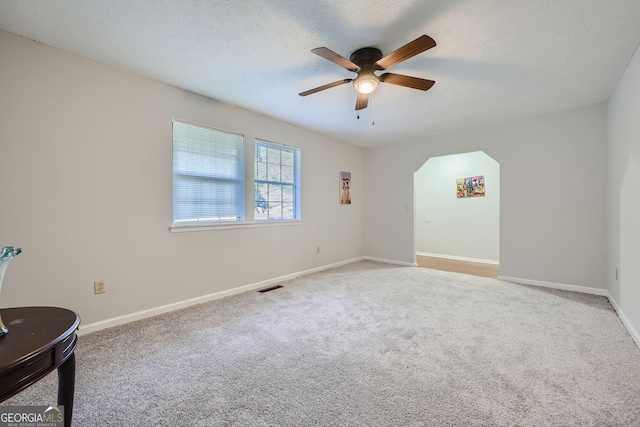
99 287
318 250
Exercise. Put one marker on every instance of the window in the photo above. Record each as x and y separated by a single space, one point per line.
208 175
277 181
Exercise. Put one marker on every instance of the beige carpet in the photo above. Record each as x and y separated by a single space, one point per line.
366 344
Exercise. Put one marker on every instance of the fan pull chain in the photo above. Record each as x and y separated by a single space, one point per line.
373 111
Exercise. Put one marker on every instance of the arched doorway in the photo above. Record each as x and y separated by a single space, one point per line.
457 228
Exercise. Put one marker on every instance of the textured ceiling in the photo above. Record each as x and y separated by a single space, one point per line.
495 60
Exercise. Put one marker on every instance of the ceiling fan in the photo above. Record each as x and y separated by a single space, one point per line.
369 59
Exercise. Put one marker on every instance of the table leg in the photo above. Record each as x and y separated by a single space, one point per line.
66 387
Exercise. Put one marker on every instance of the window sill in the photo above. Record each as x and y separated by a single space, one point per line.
210 227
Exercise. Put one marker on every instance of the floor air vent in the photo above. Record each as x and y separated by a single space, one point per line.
273 288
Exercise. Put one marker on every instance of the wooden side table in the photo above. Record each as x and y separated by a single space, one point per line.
40 339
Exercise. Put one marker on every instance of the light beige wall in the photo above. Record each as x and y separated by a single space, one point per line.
552 192
85 167
623 203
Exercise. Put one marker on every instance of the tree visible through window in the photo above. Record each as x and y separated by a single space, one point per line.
277 179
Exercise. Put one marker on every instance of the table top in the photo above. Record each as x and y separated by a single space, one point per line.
32 331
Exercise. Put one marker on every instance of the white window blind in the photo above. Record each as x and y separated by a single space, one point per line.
277 181
208 175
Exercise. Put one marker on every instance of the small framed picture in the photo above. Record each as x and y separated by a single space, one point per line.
470 186
345 188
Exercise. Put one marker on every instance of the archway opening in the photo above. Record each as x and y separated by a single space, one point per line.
457 214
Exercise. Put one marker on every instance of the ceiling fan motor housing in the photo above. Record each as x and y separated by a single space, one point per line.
366 57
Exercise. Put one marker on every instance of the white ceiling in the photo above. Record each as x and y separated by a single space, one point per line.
495 60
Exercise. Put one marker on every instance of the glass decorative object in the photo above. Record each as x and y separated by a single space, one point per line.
8 253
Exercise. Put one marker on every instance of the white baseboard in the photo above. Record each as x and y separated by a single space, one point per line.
625 321
459 258
143 314
389 261
552 285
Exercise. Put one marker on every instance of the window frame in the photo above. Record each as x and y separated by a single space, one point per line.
247 218
267 180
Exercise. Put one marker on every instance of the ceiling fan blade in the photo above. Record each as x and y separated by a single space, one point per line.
407 81
362 101
407 51
327 86
335 58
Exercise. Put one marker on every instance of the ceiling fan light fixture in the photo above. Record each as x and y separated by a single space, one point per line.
366 83
367 60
